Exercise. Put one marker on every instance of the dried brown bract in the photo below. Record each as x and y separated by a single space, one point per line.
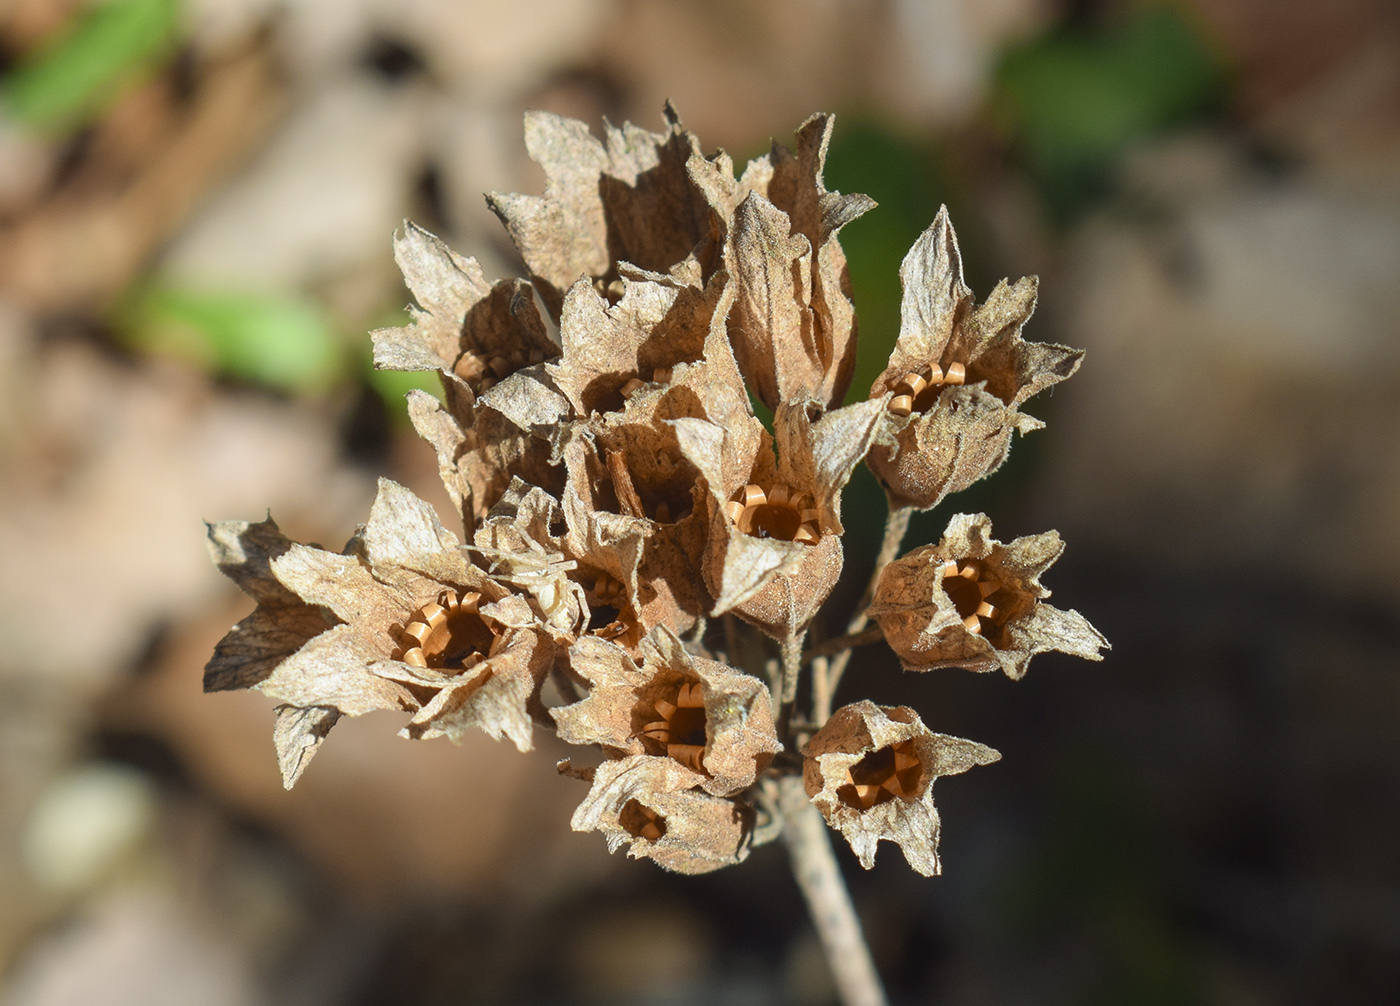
957 375
870 771
972 602
711 718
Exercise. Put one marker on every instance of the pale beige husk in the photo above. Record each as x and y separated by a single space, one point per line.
922 625
966 435
912 823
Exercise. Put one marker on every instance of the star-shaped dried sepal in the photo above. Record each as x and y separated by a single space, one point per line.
870 771
479 332
654 806
793 325
626 199
972 602
957 375
715 721
774 549
412 626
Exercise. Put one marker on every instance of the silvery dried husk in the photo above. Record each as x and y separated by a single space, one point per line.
713 719
611 349
627 199
395 567
950 433
793 325
870 771
480 332
654 806
929 603
763 573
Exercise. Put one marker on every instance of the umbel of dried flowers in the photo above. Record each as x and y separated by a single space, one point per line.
624 512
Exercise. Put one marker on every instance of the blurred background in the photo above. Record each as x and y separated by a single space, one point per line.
196 203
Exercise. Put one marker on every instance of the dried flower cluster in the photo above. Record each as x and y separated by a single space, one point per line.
619 498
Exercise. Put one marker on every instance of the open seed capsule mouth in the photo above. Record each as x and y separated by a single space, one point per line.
448 634
610 611
777 513
483 371
970 588
661 375
918 392
640 821
883 775
678 731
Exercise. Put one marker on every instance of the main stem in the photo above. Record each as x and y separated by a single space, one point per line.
828 902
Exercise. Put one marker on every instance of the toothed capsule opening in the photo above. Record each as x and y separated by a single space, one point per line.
677 729
882 776
777 513
918 392
446 635
971 589
640 821
608 607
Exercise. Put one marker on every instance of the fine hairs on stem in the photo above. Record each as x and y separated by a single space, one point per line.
616 496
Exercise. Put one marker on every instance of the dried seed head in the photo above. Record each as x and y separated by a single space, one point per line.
971 601
714 720
652 806
870 771
956 376
413 626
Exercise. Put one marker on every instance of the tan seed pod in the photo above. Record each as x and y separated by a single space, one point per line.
972 601
870 771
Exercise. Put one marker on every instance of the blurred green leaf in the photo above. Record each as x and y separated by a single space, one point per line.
393 385
73 75
1076 98
281 342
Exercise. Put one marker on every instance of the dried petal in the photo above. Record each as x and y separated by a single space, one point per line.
713 719
957 374
972 602
870 771
650 805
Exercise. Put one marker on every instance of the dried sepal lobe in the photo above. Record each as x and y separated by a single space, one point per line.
870 771
972 601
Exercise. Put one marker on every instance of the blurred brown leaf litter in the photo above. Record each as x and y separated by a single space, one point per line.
1222 467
